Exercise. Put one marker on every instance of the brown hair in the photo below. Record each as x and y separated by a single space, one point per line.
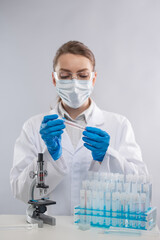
77 48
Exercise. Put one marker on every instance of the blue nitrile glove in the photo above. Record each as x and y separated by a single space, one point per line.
51 130
97 141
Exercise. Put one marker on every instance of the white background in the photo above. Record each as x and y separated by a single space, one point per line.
125 38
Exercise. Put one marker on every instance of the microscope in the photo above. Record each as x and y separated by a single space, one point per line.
37 207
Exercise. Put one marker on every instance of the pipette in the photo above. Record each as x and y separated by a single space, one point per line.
75 125
18 227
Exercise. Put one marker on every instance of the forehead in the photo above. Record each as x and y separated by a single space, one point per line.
73 62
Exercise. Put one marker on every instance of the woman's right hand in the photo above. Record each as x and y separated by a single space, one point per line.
51 130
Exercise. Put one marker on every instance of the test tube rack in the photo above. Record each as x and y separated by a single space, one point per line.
116 200
106 219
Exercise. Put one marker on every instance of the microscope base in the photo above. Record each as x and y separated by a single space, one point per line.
35 213
40 220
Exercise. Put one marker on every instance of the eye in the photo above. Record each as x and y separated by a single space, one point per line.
64 75
84 75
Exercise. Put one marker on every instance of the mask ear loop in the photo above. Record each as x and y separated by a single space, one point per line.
92 75
56 76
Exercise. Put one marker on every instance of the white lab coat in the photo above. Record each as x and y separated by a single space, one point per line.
66 174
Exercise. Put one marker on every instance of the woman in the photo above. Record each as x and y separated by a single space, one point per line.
107 144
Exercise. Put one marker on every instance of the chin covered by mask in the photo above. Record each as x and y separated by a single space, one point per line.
74 92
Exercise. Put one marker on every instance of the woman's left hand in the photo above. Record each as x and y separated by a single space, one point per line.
97 141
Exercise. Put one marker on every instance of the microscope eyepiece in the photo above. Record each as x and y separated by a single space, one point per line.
40 157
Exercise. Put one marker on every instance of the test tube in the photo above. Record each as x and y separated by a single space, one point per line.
142 209
118 209
121 179
90 175
126 208
96 176
140 183
134 209
88 206
122 203
146 189
108 203
94 207
108 208
82 200
114 209
101 202
73 124
142 203
101 208
102 176
82 206
111 187
137 203
88 201
131 210
127 184
119 187
134 184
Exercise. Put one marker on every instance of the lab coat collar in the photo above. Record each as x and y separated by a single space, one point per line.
96 120
97 117
85 114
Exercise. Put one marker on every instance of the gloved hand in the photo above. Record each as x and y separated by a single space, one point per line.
97 141
51 130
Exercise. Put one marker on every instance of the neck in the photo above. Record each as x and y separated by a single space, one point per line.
74 112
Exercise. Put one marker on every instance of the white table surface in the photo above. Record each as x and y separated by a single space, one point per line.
64 229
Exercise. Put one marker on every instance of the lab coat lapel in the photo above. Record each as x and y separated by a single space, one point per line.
95 120
97 117
66 142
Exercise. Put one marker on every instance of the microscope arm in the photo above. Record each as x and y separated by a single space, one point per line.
32 189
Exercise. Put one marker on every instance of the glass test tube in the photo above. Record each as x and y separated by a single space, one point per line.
75 125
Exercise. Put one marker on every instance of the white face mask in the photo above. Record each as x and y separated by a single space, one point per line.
74 92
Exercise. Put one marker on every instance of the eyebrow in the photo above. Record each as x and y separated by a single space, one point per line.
66 70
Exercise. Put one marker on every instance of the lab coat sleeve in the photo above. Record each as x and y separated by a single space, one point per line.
26 151
125 157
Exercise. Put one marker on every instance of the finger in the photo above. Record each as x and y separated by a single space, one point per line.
49 117
52 123
51 139
90 147
52 134
97 131
97 145
55 122
43 125
93 136
52 129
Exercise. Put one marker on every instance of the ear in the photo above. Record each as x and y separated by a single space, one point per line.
53 79
94 79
